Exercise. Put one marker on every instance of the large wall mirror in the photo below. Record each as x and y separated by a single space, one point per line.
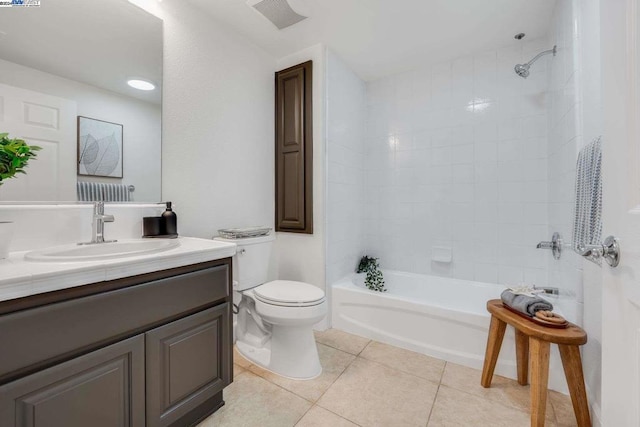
66 70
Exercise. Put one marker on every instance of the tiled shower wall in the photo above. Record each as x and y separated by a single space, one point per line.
346 109
575 118
565 140
456 159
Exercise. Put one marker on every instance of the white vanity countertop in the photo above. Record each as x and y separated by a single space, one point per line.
20 278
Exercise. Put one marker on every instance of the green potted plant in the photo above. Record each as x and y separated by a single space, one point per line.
373 279
15 154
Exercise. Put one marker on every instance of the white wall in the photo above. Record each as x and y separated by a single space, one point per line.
456 158
217 151
218 121
141 123
346 115
575 118
302 256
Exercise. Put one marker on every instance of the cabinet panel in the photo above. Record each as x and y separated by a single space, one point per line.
294 149
188 362
102 388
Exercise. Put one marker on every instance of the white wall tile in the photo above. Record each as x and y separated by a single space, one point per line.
469 172
349 205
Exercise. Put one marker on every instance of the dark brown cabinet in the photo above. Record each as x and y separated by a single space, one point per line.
104 388
188 362
294 149
152 350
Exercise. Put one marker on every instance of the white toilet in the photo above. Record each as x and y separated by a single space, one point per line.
275 319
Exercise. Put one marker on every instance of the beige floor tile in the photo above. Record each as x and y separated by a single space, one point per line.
333 361
320 417
456 408
404 360
239 359
253 401
503 390
342 341
237 370
371 394
563 408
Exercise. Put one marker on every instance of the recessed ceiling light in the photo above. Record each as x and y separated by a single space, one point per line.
141 84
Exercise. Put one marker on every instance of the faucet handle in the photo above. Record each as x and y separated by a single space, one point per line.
545 245
555 245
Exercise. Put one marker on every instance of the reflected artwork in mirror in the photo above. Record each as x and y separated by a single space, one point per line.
86 87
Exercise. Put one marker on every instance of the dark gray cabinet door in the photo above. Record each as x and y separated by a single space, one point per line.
104 388
188 362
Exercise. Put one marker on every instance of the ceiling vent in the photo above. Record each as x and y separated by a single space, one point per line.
279 12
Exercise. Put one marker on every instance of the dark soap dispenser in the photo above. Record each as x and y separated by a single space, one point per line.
170 221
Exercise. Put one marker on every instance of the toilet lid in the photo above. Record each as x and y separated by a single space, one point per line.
287 292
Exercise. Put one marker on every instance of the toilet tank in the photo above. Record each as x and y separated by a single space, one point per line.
252 260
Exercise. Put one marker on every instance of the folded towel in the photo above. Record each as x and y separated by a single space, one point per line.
525 304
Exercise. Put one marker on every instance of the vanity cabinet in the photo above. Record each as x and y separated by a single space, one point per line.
151 350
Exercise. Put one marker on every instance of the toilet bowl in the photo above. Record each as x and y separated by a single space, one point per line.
275 319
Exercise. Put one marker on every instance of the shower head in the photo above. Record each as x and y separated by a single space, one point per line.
523 69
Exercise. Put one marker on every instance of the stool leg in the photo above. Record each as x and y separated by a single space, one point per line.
572 363
539 380
494 342
522 357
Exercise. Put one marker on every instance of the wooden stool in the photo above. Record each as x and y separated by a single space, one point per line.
533 341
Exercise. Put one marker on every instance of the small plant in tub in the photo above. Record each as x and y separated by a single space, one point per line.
374 279
15 154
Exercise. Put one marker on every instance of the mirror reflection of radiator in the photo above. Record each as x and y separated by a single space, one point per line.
104 192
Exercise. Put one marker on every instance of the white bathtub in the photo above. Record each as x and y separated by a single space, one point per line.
440 317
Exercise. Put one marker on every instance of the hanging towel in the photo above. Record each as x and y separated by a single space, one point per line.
587 222
100 191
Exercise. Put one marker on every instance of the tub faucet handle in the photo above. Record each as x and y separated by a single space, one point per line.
555 245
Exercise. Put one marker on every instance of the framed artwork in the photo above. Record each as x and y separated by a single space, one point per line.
99 148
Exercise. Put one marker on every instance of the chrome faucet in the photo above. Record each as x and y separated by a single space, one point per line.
547 290
99 218
555 245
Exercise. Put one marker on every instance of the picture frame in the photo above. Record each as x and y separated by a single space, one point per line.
100 148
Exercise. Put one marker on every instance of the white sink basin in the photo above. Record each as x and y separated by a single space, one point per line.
100 251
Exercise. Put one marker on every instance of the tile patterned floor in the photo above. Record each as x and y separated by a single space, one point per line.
367 383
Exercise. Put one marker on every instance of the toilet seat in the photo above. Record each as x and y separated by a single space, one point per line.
288 293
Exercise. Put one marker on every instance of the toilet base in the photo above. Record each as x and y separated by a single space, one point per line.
291 352
279 338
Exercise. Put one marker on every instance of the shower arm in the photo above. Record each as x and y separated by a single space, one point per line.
546 52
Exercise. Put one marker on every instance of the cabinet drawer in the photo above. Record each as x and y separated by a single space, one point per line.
104 388
41 336
188 362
